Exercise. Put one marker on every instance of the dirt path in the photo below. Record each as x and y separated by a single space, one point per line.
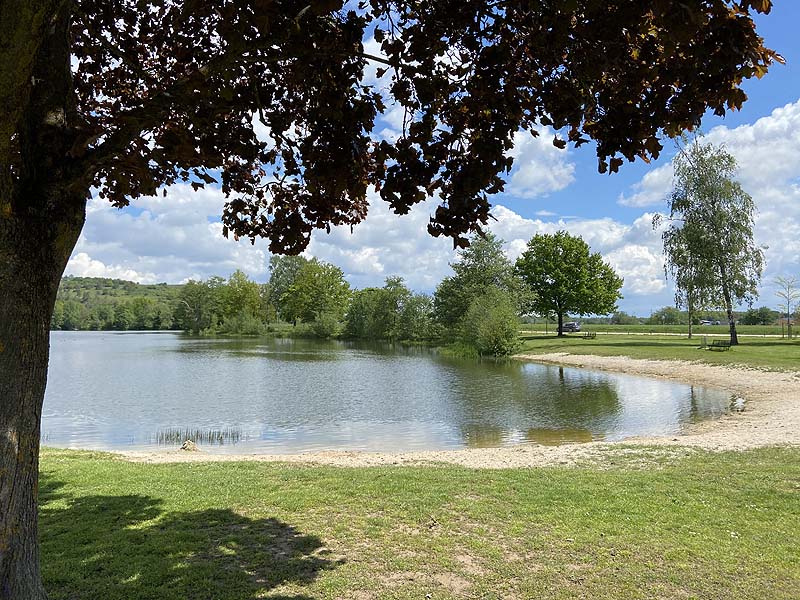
771 416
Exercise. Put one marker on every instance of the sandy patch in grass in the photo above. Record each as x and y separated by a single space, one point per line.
771 416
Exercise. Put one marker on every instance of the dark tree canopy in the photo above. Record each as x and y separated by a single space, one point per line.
163 91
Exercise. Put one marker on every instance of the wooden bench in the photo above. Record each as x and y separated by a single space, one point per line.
720 345
590 335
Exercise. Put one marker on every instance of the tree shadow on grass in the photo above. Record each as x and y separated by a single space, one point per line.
128 547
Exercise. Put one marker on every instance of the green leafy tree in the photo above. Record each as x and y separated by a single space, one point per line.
761 316
318 288
668 315
197 306
491 323
129 96
240 296
144 313
57 320
162 318
390 306
481 265
694 275
102 316
123 316
327 324
375 313
711 216
360 318
563 276
268 310
74 316
622 318
415 321
283 271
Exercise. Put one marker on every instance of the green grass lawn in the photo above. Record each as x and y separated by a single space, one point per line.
770 353
746 330
710 526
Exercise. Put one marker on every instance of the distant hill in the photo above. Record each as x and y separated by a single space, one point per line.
101 303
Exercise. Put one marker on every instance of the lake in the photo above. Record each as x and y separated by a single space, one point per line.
147 391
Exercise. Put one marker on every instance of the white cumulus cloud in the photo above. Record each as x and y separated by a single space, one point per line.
539 167
172 239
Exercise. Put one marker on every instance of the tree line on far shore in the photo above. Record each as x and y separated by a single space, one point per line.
476 310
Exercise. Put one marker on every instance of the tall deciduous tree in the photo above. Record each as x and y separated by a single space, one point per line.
481 265
282 272
565 277
376 313
240 296
197 307
318 290
710 234
789 294
129 96
694 275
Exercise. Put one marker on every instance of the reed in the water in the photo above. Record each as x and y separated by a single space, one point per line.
177 435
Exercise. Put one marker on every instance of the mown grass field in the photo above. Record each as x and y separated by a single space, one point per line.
768 353
710 526
746 330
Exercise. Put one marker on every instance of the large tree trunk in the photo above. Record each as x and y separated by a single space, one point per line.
42 208
34 249
560 324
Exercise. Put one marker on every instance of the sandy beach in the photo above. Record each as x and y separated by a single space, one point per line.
770 416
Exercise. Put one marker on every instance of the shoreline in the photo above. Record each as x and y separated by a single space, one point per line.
771 416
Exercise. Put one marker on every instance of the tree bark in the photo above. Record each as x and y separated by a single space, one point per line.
726 294
42 210
560 324
34 249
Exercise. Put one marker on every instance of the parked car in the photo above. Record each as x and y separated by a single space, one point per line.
572 326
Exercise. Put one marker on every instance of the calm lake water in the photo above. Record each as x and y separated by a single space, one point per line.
144 390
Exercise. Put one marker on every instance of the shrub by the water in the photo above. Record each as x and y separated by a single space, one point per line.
490 325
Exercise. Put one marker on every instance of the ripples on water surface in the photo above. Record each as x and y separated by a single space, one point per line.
147 390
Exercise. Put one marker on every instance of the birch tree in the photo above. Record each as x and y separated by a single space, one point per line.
709 243
693 275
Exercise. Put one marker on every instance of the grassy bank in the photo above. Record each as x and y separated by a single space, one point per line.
770 353
699 526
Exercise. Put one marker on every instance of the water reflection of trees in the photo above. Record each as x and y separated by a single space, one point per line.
556 437
278 349
502 403
481 435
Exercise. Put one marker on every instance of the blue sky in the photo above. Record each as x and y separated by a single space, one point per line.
179 237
